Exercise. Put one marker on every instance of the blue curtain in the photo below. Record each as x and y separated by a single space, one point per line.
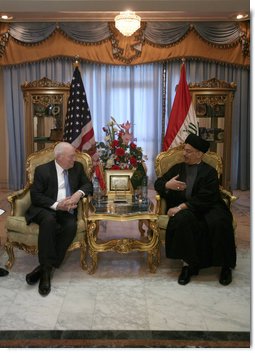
126 93
131 93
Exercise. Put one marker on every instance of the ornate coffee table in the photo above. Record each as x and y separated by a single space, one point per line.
123 211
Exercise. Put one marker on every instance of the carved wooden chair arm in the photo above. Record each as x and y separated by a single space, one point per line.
20 201
227 196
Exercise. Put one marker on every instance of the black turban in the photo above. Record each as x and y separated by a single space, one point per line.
198 143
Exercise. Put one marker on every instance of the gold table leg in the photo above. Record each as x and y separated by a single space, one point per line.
125 245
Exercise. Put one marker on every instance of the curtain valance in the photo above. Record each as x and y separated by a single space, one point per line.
107 45
156 32
88 32
31 32
220 33
224 33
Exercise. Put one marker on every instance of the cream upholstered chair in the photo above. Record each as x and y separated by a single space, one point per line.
165 160
25 237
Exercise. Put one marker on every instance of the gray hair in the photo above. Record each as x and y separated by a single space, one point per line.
61 147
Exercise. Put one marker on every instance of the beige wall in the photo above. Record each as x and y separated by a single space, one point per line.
3 139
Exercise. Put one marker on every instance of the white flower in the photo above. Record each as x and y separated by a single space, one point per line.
109 163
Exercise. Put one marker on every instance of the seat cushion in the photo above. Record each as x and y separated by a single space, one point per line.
19 231
18 224
163 221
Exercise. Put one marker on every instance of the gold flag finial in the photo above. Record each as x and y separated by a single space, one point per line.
76 62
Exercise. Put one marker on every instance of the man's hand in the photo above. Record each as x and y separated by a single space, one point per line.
75 198
174 184
66 204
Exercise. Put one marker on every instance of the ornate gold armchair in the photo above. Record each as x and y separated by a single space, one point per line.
25 237
165 160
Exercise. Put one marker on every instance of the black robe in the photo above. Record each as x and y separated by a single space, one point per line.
203 234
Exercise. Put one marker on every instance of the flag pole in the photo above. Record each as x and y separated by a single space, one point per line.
163 104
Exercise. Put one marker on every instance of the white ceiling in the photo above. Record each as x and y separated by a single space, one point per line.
105 10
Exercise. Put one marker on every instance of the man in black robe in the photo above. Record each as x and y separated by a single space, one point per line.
200 228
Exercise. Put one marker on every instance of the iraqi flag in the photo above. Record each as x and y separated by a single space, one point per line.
182 120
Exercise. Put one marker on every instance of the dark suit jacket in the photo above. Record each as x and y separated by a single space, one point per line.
44 189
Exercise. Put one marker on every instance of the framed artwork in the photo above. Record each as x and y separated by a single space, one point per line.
118 184
201 110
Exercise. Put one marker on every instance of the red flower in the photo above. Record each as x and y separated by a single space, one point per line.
115 143
120 148
133 161
120 152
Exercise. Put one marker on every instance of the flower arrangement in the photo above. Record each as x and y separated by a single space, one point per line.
119 151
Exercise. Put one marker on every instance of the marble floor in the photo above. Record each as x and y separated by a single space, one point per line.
124 301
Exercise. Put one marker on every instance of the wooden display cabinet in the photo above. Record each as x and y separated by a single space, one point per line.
45 111
212 101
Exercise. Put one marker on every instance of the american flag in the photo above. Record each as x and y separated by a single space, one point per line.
78 124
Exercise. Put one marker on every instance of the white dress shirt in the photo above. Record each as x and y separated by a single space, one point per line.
61 186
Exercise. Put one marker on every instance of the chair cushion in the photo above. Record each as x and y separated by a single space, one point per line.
19 231
163 221
26 239
18 224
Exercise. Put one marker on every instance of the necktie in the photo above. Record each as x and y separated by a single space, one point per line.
67 185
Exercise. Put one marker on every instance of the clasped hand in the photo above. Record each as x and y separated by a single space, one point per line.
172 211
69 203
174 184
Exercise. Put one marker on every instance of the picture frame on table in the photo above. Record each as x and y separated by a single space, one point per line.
118 184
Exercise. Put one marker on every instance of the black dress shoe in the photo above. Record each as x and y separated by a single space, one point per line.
44 284
3 272
34 276
186 273
225 276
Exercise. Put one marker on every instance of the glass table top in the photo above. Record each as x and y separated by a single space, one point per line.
105 206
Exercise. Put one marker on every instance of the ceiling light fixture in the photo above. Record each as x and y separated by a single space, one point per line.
6 17
127 22
241 16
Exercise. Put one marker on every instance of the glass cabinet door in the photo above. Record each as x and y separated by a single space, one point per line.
210 112
47 119
212 101
45 111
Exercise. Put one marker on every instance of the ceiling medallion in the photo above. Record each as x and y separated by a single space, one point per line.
127 22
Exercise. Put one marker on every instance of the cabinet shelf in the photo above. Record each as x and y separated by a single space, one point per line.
41 139
45 111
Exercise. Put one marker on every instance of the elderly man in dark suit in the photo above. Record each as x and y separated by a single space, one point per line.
199 230
57 188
